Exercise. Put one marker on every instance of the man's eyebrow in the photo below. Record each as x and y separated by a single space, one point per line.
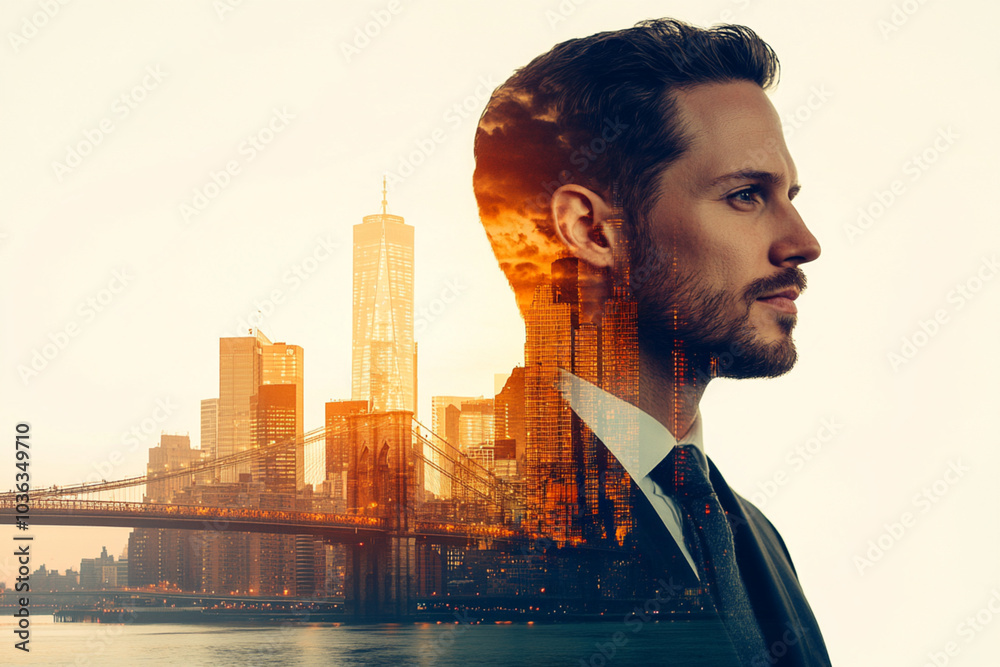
768 177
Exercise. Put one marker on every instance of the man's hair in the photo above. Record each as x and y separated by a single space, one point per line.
596 111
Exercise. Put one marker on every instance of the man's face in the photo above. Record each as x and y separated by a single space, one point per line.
726 241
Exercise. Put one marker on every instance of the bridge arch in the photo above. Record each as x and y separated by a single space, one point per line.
364 477
381 477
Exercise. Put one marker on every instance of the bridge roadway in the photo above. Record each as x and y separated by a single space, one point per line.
337 528
125 595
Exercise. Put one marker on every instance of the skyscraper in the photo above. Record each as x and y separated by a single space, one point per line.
245 365
160 555
551 470
475 423
282 364
446 424
240 374
210 427
508 415
446 420
575 490
280 469
173 453
382 355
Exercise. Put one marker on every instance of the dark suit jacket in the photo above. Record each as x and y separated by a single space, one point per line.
791 633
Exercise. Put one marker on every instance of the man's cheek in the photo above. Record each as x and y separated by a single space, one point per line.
759 317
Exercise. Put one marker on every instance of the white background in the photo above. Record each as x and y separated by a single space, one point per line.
892 77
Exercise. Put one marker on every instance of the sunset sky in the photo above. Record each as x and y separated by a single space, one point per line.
171 168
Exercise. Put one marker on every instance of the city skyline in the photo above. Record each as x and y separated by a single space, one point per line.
261 382
371 456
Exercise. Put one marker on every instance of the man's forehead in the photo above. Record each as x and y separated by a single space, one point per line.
732 129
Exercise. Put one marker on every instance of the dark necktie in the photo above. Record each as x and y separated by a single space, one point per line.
682 475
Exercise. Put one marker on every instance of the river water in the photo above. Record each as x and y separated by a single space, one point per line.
684 643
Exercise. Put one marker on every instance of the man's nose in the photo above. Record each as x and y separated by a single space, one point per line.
795 244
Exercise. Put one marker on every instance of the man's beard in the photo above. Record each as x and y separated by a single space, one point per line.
711 329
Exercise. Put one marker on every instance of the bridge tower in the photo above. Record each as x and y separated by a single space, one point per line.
384 479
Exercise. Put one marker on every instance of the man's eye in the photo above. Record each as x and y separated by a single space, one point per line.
750 195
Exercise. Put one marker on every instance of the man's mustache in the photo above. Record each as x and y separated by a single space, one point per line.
788 277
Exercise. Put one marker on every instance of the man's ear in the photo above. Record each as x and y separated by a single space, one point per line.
580 215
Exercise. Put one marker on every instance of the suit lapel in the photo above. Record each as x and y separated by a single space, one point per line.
789 626
657 544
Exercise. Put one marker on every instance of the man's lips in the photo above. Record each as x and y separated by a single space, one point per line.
783 300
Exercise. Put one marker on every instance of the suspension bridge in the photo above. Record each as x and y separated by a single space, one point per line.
382 509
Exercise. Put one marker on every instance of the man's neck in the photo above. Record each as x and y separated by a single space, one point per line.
669 392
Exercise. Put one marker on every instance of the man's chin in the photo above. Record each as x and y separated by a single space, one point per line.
756 359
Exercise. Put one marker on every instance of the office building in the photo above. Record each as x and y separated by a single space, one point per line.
245 365
279 465
174 454
383 353
508 415
210 427
576 492
100 573
240 374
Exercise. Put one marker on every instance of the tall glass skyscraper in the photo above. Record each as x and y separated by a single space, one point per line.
382 355
575 490
210 427
282 364
246 364
240 373
281 470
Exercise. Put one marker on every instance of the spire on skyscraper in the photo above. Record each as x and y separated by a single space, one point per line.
382 357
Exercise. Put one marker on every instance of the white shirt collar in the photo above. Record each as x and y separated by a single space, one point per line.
617 423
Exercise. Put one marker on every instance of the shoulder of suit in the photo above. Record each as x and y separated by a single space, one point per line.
762 524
